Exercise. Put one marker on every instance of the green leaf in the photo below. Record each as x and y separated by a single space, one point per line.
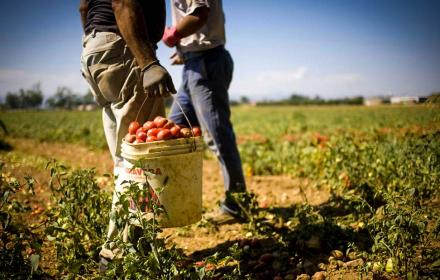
50 238
435 264
35 260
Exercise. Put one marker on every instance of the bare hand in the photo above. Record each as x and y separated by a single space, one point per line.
176 59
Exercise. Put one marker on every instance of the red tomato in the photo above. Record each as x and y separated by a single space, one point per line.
133 127
149 125
137 141
130 138
160 121
153 132
158 118
168 125
196 131
151 138
164 134
175 131
141 135
185 132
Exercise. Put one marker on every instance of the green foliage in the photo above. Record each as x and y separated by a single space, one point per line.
77 224
297 99
382 165
25 99
66 127
64 98
144 255
20 245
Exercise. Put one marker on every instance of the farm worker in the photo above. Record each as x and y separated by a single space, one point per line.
120 65
198 33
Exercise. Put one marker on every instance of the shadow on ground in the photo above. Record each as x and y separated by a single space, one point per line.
290 241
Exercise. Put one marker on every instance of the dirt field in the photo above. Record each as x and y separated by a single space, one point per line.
29 157
271 190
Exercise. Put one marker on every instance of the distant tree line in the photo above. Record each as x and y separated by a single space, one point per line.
297 99
33 98
64 98
434 98
25 99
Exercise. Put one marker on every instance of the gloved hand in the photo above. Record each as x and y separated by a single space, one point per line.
156 81
171 37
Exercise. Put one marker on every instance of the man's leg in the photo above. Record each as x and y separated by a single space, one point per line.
182 103
116 86
132 105
208 81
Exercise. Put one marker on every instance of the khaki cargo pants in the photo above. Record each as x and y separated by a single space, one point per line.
114 79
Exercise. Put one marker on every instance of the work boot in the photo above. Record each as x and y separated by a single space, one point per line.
225 214
220 217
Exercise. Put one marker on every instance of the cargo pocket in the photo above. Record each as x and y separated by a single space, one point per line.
109 77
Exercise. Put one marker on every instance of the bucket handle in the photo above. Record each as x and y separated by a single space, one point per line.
194 146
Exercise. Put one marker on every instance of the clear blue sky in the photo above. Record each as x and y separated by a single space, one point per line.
329 48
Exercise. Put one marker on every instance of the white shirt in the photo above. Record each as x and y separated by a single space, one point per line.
211 35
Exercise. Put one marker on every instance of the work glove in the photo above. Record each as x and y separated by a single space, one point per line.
171 37
156 81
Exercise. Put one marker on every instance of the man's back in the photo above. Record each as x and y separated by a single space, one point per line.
211 35
100 17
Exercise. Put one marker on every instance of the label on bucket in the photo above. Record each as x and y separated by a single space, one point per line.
137 175
177 181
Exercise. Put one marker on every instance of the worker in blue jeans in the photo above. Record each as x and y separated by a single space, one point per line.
199 37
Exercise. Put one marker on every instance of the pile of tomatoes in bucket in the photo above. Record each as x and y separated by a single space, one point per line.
159 129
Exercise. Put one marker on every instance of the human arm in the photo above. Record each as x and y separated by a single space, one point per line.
131 23
188 25
83 9
193 22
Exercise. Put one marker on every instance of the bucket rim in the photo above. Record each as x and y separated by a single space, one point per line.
158 142
137 158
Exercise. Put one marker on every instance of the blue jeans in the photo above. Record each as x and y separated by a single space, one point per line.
204 98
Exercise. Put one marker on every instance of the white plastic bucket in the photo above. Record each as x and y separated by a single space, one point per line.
175 167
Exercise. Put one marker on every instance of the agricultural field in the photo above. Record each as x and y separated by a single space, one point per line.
335 192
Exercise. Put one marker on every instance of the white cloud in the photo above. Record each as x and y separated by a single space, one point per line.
264 83
280 84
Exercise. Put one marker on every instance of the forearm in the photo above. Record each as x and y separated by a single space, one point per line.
83 8
193 22
131 23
